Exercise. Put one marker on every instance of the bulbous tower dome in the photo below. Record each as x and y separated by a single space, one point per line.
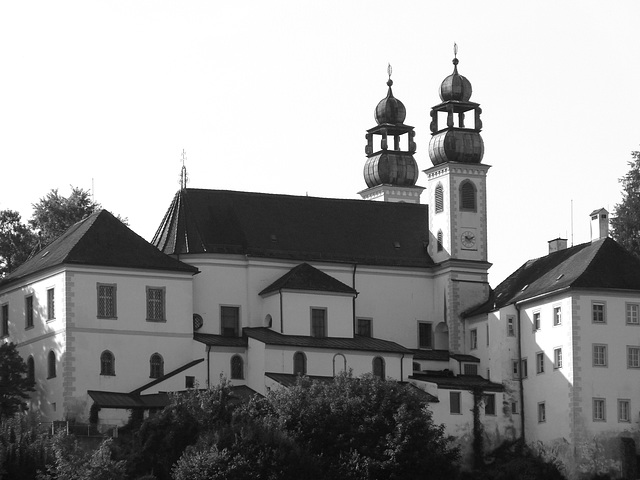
390 109
456 142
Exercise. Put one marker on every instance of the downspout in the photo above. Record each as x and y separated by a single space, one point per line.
208 367
281 313
402 368
520 375
353 285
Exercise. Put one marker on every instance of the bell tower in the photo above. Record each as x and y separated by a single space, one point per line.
390 171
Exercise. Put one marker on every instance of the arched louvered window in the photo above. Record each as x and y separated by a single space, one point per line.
378 367
107 363
468 196
237 367
51 364
439 198
299 363
156 364
440 246
31 369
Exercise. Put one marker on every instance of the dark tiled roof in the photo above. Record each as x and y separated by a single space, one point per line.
219 340
434 355
359 342
602 264
306 277
99 240
129 400
465 358
460 382
137 391
295 228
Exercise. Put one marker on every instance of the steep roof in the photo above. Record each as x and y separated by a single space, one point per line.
294 227
599 265
99 240
308 278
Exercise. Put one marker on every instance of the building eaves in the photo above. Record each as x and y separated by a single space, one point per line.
461 382
220 340
161 379
305 277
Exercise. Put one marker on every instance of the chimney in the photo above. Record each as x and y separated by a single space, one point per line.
599 224
557 244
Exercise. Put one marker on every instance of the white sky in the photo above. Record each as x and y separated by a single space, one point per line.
275 96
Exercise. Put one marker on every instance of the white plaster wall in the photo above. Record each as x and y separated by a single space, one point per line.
297 306
257 366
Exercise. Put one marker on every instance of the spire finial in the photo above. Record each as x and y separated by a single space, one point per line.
184 178
455 54
389 72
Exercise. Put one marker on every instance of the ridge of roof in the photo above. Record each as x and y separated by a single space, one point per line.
98 240
309 278
293 227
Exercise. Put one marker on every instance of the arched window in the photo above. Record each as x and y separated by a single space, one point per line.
468 196
439 198
378 367
107 363
237 367
299 363
31 369
51 364
339 364
156 364
440 247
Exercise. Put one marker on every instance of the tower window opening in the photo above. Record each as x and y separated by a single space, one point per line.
439 198
440 246
456 120
468 196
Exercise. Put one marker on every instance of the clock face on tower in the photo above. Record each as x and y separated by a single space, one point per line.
468 239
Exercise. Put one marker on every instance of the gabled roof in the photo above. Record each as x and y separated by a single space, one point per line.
369 344
308 278
295 228
599 265
99 240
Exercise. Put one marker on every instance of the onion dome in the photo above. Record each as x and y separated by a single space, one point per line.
455 86
464 146
390 109
391 168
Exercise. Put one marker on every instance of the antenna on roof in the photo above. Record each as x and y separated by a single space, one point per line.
184 178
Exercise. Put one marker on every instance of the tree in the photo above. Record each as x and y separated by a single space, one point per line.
626 220
16 241
54 213
14 383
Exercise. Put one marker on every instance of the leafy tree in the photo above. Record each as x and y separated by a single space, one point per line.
24 447
16 241
53 214
626 220
14 383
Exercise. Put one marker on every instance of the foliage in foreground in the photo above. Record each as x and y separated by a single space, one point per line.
14 384
625 223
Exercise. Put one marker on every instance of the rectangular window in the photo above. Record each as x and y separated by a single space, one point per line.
473 339
5 320
515 369
487 334
514 408
511 326
470 369
524 368
540 362
557 316
28 311
189 382
624 410
536 321
632 311
155 304
230 321
490 404
454 403
318 322
425 335
542 412
106 301
557 358
599 355
633 357
364 327
599 410
598 312
51 304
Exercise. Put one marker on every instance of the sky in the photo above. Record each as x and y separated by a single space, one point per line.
276 96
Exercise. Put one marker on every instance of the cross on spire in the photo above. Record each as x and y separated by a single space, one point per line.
184 178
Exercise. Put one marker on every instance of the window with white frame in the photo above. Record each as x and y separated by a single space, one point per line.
599 355
524 369
536 321
515 369
540 362
51 304
624 410
511 326
365 327
473 339
598 312
439 198
107 363
156 366
557 316
455 406
470 368
557 357
514 408
28 311
237 367
379 368
490 404
318 322
542 412
155 304
51 364
632 313
106 300
599 410
425 335
299 363
633 357
229 321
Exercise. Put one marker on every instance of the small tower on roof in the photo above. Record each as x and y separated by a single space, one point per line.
390 171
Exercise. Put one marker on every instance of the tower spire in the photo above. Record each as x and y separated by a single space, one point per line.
184 178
